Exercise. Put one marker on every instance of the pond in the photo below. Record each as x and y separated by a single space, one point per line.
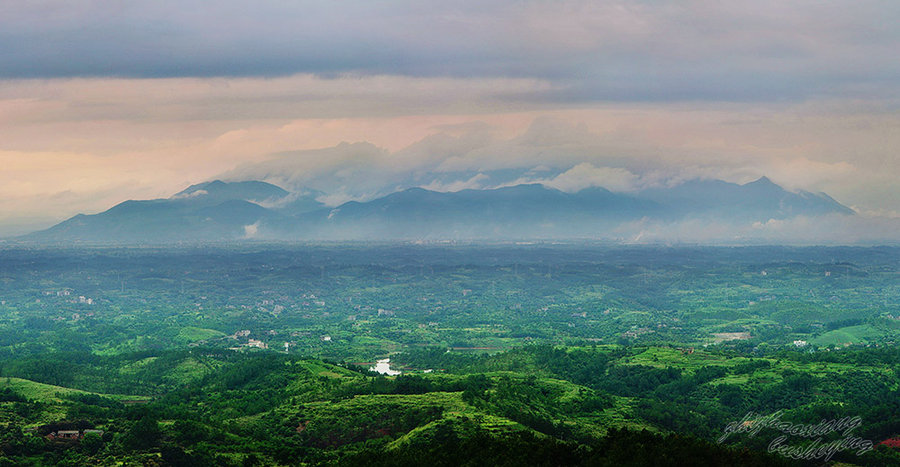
383 366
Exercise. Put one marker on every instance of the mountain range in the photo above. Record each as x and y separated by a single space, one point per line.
232 211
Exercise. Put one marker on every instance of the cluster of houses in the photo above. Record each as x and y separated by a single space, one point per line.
257 344
260 344
636 331
81 299
72 435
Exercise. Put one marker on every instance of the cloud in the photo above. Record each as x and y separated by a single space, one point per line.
184 99
477 182
800 172
586 175
107 140
548 141
251 230
611 50
571 156
832 229
105 101
360 165
192 194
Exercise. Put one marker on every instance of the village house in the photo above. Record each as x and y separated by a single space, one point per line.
257 343
73 435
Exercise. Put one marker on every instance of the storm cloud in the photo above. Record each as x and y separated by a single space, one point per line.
590 50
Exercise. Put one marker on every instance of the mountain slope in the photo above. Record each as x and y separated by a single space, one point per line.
522 211
218 191
226 211
210 211
759 200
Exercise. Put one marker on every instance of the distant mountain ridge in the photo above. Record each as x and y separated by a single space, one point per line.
760 200
233 211
217 191
521 211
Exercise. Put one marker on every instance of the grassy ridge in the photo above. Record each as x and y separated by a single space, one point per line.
42 392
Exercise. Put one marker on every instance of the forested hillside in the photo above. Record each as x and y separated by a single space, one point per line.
538 355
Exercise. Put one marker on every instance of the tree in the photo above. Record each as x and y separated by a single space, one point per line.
143 434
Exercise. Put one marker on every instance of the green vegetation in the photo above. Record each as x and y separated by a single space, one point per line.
509 356
192 334
861 334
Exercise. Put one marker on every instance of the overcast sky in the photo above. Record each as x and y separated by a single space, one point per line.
102 101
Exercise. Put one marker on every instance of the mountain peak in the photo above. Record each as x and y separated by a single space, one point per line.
527 188
762 181
215 184
248 190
